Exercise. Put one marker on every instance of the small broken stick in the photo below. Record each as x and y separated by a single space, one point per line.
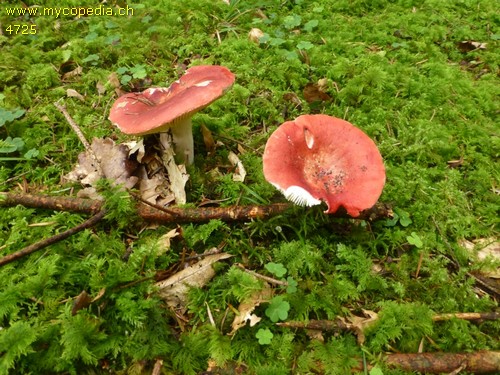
52 240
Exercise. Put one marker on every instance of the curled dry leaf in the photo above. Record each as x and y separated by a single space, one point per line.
455 163
136 147
255 34
358 324
113 80
174 290
71 74
246 308
164 241
82 301
208 139
240 172
74 94
150 188
177 174
470 45
101 89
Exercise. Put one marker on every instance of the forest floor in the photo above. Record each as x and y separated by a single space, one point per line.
295 291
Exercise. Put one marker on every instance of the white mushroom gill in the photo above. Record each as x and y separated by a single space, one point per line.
299 196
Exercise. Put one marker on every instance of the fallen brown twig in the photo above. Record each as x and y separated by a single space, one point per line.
175 214
72 123
52 240
495 315
268 279
481 362
358 325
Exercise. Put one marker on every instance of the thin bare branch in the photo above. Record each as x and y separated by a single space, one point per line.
80 135
270 280
52 240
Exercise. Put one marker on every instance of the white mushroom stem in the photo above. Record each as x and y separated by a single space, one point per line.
182 136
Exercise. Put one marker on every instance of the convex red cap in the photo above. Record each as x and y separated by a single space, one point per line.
157 109
322 158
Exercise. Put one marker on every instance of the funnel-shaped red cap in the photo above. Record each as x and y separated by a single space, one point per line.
322 158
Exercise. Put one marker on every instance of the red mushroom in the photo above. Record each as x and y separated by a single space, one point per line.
159 109
321 158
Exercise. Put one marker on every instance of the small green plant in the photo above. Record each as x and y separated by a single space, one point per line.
127 74
10 115
11 145
278 309
280 271
285 34
264 335
376 371
400 216
276 269
415 240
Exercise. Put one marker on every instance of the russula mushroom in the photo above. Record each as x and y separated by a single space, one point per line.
322 158
160 109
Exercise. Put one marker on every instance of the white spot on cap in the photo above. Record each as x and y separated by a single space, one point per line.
309 138
204 83
152 90
121 105
300 196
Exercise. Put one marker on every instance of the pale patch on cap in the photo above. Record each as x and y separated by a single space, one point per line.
204 83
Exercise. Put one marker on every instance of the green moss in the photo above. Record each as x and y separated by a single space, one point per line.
395 69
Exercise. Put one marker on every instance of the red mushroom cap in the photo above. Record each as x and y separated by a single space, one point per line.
157 109
321 158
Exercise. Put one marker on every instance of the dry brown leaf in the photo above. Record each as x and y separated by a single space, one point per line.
315 334
358 324
241 149
292 98
73 73
113 80
177 174
82 301
470 45
240 172
208 139
164 241
246 308
316 92
74 94
255 34
455 163
150 188
114 163
485 249
136 147
101 89
174 290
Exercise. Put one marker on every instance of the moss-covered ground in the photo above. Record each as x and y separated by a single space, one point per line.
419 77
